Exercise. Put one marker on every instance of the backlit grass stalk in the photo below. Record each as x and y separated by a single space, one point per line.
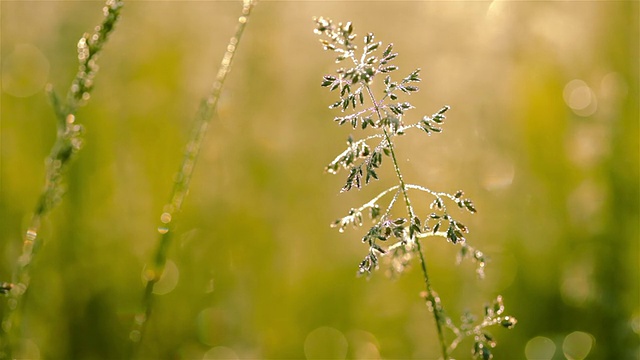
67 144
154 271
386 116
431 297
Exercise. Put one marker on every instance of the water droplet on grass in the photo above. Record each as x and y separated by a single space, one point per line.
165 218
31 235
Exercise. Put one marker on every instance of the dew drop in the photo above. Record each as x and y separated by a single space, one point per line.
148 274
31 235
165 218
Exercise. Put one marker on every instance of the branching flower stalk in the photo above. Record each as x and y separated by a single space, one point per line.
67 144
362 159
154 271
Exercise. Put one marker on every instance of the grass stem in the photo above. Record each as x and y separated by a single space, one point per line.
67 144
431 296
154 272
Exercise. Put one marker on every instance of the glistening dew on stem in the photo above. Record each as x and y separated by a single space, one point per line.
391 211
67 144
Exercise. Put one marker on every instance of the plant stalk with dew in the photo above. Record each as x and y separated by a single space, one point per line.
67 144
362 159
153 272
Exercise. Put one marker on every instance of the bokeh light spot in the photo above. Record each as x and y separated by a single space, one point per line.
580 98
498 172
363 345
212 326
135 336
24 71
577 285
635 324
27 349
325 343
168 281
586 203
577 345
540 348
220 352
588 144
613 85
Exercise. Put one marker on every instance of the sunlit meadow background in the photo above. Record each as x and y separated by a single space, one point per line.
542 135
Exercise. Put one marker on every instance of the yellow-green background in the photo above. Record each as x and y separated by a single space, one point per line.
551 163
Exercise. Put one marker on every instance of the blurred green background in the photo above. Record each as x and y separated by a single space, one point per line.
542 135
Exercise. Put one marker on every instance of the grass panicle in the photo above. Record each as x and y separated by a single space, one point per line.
67 144
386 114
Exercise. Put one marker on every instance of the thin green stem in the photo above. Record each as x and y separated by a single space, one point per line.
433 301
431 297
387 137
153 273
67 144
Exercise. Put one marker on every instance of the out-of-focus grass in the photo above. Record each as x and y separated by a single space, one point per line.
551 163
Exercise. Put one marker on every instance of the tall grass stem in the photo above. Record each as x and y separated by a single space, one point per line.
65 148
153 273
